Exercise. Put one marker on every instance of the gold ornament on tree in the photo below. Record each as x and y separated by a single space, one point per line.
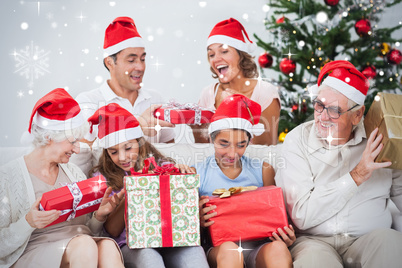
384 47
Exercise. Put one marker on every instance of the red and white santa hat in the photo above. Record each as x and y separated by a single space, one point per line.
237 112
115 125
232 33
120 34
57 110
346 79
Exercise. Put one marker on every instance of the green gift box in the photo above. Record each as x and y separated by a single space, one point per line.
162 210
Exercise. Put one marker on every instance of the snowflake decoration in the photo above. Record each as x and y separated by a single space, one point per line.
31 62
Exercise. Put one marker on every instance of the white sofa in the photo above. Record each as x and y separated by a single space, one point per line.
183 153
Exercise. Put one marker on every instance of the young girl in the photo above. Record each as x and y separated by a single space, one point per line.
231 129
121 137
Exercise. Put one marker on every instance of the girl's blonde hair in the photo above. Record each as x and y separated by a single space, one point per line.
115 174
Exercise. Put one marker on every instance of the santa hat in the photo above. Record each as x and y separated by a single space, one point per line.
346 79
57 110
237 112
115 125
232 33
120 34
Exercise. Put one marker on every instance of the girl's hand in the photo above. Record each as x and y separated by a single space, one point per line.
184 168
109 203
287 235
204 216
40 219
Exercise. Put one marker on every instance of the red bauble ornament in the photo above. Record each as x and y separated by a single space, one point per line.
287 66
394 56
369 72
331 2
265 60
363 27
294 107
281 19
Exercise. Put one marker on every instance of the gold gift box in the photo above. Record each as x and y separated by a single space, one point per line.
386 114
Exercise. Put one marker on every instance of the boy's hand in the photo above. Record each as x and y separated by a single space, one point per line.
204 216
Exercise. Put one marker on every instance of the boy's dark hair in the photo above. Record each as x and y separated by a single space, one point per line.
215 133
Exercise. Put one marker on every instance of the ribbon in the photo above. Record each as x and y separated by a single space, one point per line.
164 169
77 195
164 196
173 105
222 192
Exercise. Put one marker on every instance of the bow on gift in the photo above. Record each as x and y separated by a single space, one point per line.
222 192
77 197
164 169
173 105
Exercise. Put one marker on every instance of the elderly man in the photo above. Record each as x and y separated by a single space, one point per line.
124 57
336 194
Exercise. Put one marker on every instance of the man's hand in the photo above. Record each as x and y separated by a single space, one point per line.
149 124
366 166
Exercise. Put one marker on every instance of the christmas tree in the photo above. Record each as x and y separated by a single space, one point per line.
309 33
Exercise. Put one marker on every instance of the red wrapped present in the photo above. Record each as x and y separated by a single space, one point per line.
250 215
190 113
75 199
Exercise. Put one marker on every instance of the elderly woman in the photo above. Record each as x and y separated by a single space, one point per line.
56 125
228 49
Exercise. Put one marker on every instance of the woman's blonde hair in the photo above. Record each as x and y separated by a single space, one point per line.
246 64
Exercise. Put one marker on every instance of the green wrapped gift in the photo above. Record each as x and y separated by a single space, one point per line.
162 210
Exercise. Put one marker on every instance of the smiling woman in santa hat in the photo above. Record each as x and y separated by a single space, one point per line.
232 127
55 126
228 49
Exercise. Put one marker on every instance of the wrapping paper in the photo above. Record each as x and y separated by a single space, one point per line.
162 210
75 199
190 113
250 215
386 114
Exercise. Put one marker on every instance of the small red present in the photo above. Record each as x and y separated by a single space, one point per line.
75 199
190 113
250 215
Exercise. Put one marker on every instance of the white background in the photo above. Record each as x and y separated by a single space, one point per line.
67 37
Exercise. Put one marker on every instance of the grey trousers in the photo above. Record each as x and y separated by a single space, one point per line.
178 257
380 248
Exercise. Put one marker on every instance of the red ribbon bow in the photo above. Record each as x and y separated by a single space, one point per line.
163 170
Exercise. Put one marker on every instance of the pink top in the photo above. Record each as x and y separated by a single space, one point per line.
263 94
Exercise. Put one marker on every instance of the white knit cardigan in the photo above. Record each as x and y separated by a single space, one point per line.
16 198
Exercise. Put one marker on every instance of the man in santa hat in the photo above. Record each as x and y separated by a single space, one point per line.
124 57
336 194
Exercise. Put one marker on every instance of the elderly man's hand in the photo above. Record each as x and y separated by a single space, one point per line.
366 166
149 123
